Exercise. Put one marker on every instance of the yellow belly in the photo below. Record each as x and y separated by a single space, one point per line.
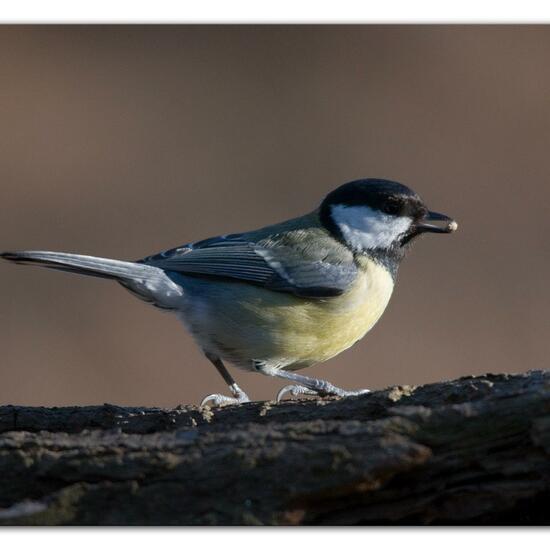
250 323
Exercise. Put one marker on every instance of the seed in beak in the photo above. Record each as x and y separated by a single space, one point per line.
453 226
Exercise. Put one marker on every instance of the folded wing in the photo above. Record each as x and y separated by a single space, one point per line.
279 267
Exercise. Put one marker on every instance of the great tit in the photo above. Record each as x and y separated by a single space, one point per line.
283 297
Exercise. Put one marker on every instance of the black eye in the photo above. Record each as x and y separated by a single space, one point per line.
392 208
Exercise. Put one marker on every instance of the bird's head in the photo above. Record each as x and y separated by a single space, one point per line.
375 216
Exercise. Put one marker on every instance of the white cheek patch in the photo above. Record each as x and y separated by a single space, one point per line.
364 228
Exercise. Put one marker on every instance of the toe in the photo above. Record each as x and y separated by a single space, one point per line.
358 392
242 398
239 396
294 391
217 400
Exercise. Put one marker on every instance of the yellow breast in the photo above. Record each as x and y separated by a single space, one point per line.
320 330
282 329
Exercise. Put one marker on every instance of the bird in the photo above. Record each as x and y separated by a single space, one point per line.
284 297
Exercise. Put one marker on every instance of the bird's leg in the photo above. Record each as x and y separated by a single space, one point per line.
303 385
218 399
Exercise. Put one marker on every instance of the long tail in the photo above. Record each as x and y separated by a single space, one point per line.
85 265
148 282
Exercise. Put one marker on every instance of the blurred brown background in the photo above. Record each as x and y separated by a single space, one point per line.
123 141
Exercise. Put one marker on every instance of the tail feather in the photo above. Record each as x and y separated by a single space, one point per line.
85 265
147 282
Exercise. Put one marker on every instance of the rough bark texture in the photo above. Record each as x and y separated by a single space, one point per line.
471 451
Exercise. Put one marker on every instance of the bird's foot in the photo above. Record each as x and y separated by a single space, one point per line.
219 400
294 390
328 390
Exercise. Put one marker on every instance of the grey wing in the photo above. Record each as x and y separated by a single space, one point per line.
280 268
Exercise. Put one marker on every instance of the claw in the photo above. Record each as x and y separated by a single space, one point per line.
220 400
359 392
294 390
339 392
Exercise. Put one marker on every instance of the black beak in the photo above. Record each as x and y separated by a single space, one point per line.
427 224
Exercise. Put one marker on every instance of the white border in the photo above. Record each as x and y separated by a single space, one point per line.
280 11
274 538
274 11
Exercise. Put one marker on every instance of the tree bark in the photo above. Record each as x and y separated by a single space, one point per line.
470 451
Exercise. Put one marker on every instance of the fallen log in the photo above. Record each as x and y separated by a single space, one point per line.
470 451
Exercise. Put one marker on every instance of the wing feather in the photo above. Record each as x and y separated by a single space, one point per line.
278 266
